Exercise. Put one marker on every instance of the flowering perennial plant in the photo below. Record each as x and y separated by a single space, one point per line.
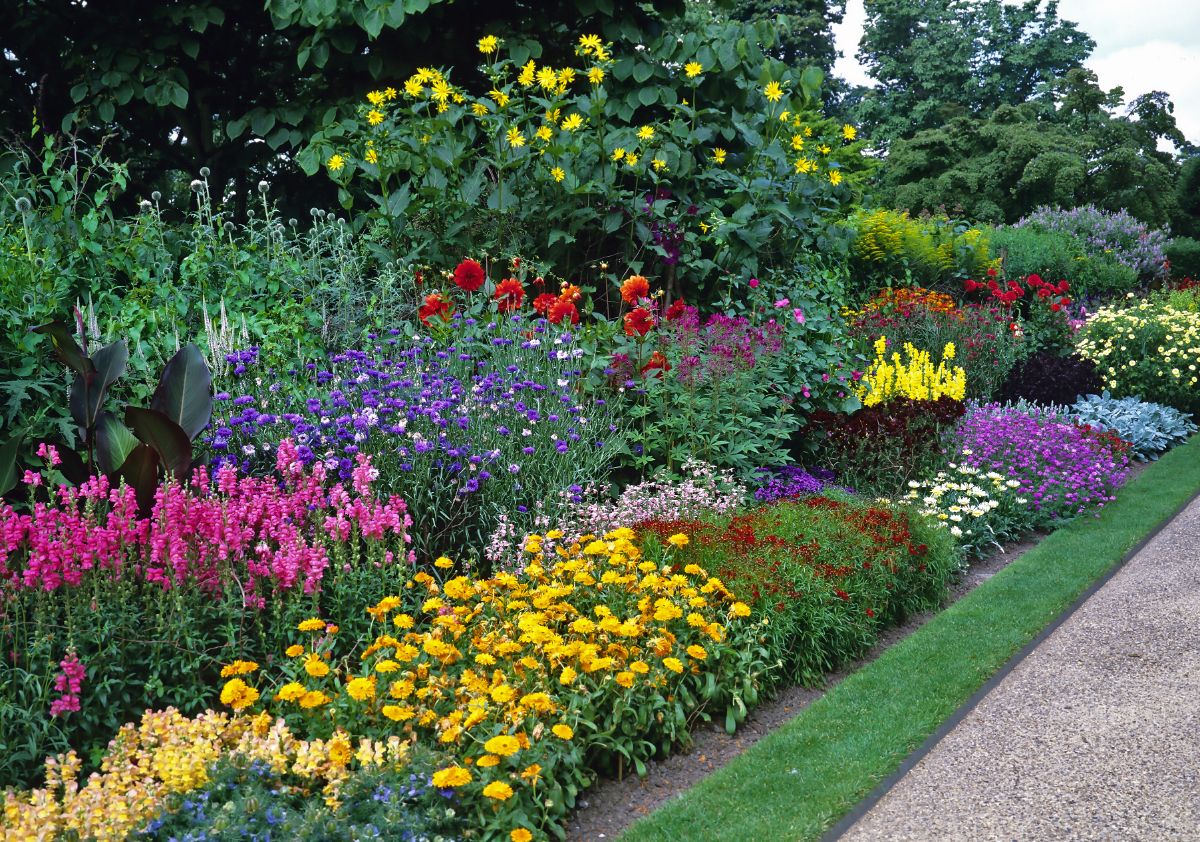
521 677
1148 349
1063 469
980 509
1118 235
790 481
486 418
914 376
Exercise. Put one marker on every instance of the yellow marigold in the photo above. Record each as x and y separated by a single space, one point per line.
291 691
402 621
396 713
314 666
520 834
673 664
502 745
540 702
498 790
451 777
487 761
567 676
339 750
386 666
625 679
294 651
311 624
698 652
678 540
741 609
502 694
238 668
238 694
562 731
640 667
313 699
361 689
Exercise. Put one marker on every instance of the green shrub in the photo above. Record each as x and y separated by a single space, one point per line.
928 251
1058 256
1184 256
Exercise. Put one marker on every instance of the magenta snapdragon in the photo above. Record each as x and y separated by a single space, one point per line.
68 684
265 534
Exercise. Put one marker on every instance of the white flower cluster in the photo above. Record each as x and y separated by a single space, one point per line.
965 500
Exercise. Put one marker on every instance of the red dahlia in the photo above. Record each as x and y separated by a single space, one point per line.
468 275
434 305
509 294
635 289
543 302
638 321
563 308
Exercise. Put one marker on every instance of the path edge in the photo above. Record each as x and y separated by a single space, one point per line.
918 754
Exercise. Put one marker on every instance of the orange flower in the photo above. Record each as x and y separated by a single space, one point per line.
638 321
435 305
509 294
561 309
635 289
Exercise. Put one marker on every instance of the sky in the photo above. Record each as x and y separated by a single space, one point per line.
1148 45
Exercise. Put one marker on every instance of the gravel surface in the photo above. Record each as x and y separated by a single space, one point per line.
1094 735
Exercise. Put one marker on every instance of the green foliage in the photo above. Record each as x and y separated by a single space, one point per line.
1184 255
1055 256
617 157
929 251
805 28
938 60
1150 428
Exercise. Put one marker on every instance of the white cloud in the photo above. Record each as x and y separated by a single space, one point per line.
1153 46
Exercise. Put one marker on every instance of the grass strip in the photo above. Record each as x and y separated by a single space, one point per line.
798 781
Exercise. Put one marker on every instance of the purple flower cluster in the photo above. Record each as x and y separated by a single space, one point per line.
720 346
1063 469
790 481
1120 235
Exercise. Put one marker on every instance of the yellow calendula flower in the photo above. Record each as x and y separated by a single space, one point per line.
520 834
441 562
678 540
596 75
572 122
697 652
562 731
291 691
718 155
313 699
498 790
314 666
451 777
313 623
567 676
516 140
335 163
849 132
625 679
238 694
294 651
646 133
488 44
238 668
503 745
673 664
693 69
361 689
741 609
773 92
557 173
396 713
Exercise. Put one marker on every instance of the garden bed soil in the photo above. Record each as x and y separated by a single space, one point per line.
610 806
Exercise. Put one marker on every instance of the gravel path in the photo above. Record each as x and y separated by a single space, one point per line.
1094 735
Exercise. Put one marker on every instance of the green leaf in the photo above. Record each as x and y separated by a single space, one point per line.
184 392
642 71
164 436
8 463
261 122
114 442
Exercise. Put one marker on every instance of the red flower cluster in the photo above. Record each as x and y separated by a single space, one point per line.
435 305
509 294
1014 290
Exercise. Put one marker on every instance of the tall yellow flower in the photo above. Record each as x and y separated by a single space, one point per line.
335 164
451 777
238 694
773 92
374 117
589 43
646 133
849 132
515 139
488 44
835 177
558 174
693 69
498 790
596 75
572 122
718 155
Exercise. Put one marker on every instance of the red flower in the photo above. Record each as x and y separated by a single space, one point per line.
468 275
675 311
1063 286
638 321
972 285
657 361
635 289
870 613
435 305
1034 280
509 294
563 308
991 273
543 302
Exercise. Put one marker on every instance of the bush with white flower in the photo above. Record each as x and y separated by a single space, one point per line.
981 509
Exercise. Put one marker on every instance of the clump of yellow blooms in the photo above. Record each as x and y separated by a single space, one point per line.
166 753
912 376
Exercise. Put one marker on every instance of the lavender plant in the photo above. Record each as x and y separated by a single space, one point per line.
1128 241
488 420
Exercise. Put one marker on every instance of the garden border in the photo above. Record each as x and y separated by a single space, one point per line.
824 807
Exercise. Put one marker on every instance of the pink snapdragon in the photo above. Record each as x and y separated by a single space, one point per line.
68 685
262 534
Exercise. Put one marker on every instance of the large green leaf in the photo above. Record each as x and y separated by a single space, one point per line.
140 472
65 348
167 438
114 442
8 463
184 393
89 389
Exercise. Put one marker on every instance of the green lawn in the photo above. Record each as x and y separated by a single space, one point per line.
797 782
